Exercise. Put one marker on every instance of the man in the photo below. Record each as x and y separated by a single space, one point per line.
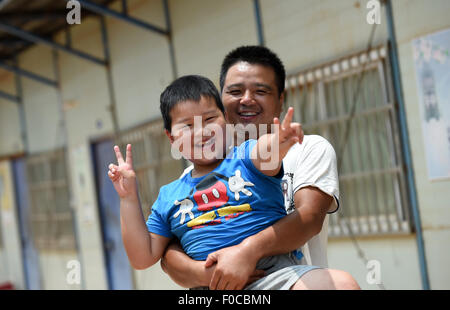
252 88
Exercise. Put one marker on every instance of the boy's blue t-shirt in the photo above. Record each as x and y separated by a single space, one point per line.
220 209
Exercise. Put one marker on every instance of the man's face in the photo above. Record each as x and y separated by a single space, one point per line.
250 95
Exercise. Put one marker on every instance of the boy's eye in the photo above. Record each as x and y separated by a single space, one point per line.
210 118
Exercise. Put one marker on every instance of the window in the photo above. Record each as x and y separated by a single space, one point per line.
51 217
371 175
152 161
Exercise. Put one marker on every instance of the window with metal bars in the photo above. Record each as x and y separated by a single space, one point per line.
51 217
152 161
350 103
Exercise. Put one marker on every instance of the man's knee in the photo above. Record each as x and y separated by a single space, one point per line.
326 279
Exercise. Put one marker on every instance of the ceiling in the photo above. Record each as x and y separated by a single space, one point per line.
39 17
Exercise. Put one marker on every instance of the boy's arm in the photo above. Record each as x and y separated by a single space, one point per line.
270 149
183 270
144 249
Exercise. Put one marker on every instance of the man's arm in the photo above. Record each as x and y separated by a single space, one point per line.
304 222
286 235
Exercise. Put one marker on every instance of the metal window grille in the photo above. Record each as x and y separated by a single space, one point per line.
371 175
152 161
51 217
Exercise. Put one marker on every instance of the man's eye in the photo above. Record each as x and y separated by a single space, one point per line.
234 92
210 118
261 92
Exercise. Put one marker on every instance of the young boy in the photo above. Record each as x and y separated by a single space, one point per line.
230 194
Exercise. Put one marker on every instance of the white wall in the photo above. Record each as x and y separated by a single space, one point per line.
10 139
414 19
11 252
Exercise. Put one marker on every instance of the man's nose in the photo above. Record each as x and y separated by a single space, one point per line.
247 98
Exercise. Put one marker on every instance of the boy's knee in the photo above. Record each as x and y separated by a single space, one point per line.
326 279
344 281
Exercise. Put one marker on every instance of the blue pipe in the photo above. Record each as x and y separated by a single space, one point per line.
9 97
27 74
99 9
412 193
259 25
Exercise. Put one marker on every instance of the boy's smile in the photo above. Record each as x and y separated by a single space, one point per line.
198 131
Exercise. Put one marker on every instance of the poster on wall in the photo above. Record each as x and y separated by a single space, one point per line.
432 63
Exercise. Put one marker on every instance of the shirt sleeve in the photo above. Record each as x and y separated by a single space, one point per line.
244 152
317 167
157 221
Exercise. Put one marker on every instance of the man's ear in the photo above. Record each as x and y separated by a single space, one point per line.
281 103
169 135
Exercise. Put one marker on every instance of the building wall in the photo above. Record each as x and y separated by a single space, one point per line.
414 19
10 252
11 142
304 34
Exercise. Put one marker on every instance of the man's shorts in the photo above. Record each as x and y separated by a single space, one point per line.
282 272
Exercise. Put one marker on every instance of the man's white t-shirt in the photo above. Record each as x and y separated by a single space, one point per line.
312 163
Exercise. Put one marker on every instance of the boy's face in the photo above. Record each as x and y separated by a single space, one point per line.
198 131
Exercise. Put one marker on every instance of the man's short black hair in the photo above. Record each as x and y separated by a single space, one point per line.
188 87
255 55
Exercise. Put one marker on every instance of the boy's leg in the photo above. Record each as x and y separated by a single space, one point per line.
326 279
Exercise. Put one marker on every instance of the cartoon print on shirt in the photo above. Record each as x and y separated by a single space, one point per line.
287 186
211 192
212 200
186 206
237 184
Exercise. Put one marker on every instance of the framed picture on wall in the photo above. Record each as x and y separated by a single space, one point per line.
432 64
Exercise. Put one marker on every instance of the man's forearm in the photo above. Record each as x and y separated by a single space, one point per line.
294 230
284 236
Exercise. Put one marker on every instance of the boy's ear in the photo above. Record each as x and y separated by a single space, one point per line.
169 135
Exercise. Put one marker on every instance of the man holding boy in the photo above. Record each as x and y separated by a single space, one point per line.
225 198
252 88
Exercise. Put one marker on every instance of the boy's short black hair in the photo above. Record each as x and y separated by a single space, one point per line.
188 87
255 55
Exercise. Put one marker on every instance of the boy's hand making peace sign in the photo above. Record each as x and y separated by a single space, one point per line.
122 175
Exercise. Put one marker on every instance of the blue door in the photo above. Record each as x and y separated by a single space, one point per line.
117 264
29 252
